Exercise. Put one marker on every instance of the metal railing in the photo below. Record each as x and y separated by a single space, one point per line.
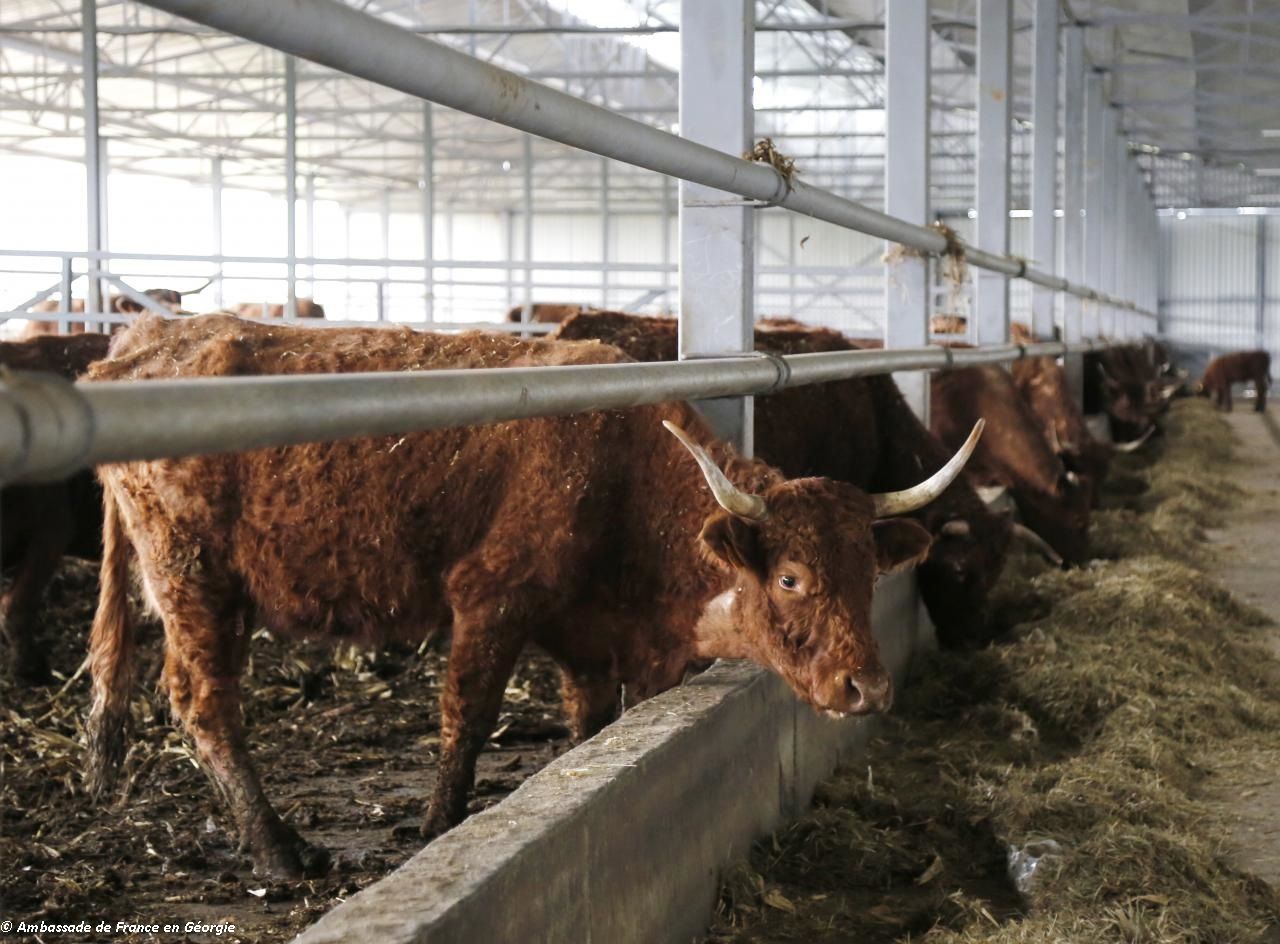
49 427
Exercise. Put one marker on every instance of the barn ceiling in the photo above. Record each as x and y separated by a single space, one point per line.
1193 80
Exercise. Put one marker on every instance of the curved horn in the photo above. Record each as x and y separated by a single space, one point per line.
956 527
1040 544
909 499
1135 444
729 496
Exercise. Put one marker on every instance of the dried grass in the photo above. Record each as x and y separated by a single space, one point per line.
1128 680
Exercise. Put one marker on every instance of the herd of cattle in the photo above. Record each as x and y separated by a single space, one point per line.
630 545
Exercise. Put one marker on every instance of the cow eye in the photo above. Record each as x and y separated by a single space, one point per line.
787 582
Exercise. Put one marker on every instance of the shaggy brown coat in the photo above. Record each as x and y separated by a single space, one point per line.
1241 367
1014 454
41 523
859 431
593 536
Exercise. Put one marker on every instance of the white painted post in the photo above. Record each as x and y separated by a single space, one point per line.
215 195
93 300
291 182
429 216
1073 137
995 91
907 286
717 56
1044 157
1094 198
604 232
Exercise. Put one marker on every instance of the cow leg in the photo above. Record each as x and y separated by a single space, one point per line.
1260 387
203 664
487 640
20 605
1226 397
591 701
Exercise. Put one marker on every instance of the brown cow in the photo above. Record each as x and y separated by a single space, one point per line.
1240 367
1123 383
41 523
546 312
116 304
859 431
305 308
1015 454
593 536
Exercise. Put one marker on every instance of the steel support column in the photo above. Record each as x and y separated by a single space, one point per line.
604 232
1094 197
1260 283
907 286
526 313
310 196
717 53
429 216
291 182
215 194
1106 273
995 93
1073 142
1044 161
93 300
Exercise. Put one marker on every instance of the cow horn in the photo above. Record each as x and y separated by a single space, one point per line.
909 499
729 496
1040 544
1135 444
956 527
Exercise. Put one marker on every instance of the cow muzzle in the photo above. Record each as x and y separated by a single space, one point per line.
844 693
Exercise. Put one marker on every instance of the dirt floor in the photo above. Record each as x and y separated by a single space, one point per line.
345 742
1246 559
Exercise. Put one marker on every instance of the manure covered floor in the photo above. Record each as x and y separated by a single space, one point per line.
1246 559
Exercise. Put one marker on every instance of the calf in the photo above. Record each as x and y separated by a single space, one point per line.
41 523
593 536
1240 367
859 431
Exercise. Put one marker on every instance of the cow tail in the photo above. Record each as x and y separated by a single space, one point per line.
111 654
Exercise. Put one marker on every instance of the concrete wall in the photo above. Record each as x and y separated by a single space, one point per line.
623 838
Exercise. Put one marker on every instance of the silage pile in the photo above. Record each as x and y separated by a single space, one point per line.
1081 747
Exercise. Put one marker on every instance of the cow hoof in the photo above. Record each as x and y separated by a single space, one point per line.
434 827
292 862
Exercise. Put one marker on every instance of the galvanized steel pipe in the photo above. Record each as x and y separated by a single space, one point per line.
49 427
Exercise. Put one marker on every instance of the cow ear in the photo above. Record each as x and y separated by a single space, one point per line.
900 543
734 541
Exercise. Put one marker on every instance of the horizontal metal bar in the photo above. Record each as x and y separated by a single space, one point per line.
338 36
50 428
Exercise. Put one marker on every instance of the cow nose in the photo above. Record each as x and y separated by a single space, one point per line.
861 694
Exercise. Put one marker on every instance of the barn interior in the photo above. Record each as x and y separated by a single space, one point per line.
1055 178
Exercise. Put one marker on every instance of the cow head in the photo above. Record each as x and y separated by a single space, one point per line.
804 557
1061 516
966 559
1131 405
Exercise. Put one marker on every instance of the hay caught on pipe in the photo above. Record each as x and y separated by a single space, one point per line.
1128 680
